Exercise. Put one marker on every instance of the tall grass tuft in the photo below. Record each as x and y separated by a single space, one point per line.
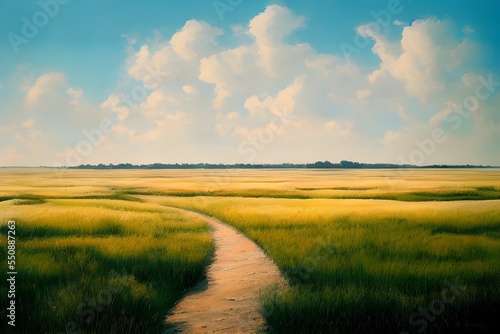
102 266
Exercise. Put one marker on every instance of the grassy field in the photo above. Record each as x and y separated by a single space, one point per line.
101 266
364 251
366 266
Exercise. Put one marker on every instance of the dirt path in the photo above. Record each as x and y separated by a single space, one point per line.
228 302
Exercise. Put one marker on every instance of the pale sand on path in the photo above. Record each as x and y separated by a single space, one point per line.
228 301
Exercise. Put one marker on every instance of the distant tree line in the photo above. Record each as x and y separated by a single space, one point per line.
344 164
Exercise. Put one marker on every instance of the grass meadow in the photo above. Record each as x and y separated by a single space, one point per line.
101 266
364 251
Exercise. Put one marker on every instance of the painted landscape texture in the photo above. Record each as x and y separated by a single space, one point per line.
363 251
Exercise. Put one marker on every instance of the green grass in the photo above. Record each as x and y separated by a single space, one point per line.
24 199
363 266
466 194
102 251
117 271
479 193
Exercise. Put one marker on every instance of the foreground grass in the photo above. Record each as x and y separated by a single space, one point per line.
361 266
364 251
101 266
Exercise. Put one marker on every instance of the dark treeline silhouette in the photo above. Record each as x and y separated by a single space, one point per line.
344 164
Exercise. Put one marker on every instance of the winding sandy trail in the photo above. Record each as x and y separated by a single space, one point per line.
228 301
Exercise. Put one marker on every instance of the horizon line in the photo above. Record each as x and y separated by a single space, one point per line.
343 164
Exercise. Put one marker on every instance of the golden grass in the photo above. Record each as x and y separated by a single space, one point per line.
372 258
362 249
314 183
69 249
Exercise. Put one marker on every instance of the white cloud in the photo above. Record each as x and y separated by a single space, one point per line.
10 156
341 129
139 61
188 89
233 115
238 30
363 94
194 39
230 71
391 136
29 123
114 103
268 63
438 118
75 93
284 104
162 129
175 116
155 104
256 106
46 84
203 99
427 51
27 133
120 129
130 39
155 99
269 29
176 60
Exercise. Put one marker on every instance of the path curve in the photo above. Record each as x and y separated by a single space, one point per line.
228 301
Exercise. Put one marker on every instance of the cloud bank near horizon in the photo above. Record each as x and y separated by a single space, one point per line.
254 94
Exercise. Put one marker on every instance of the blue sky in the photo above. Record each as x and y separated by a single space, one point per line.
249 81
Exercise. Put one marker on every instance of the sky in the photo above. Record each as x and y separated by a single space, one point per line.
226 81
